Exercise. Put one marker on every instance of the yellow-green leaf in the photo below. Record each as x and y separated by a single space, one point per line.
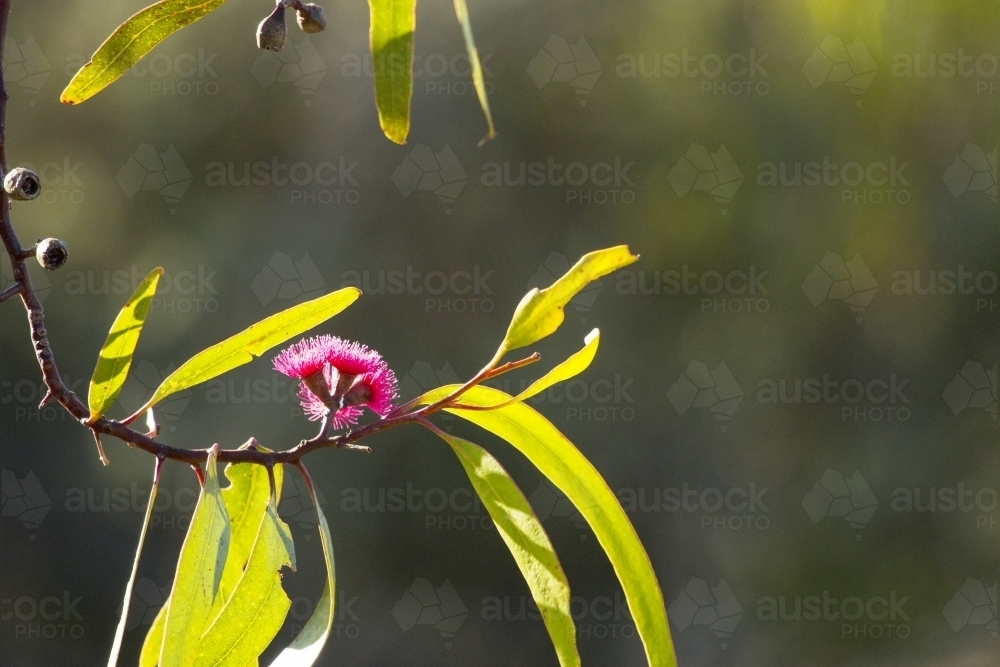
120 632
563 464
131 41
392 25
257 608
151 645
116 356
199 569
541 311
574 365
462 12
528 543
252 342
305 649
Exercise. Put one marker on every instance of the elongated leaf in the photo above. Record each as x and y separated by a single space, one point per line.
574 365
246 499
199 570
116 647
305 649
575 476
528 543
392 25
462 12
131 41
257 608
153 643
541 311
116 356
252 342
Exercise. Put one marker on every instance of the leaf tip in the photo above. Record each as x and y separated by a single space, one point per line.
595 334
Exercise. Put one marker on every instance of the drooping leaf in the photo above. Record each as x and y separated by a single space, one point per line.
528 543
151 645
116 646
541 311
306 647
116 355
392 25
131 41
563 464
462 12
199 570
252 342
255 612
246 499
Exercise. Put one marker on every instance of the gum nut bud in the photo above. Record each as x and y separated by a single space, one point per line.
271 31
312 18
22 184
51 253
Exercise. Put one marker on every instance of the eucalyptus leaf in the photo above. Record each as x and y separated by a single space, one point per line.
392 25
462 12
563 464
528 543
131 41
252 342
115 357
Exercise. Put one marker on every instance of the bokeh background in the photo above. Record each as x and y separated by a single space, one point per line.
795 395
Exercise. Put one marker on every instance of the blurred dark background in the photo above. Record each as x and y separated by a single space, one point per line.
796 390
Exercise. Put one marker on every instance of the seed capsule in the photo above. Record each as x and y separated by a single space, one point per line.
311 18
22 184
271 31
51 254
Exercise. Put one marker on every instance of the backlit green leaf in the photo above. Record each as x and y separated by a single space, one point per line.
199 570
576 477
528 543
574 365
151 645
305 649
541 311
116 356
131 41
257 608
120 632
392 25
252 342
462 12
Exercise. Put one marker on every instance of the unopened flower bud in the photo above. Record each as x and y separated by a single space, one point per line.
311 18
51 253
22 184
271 31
